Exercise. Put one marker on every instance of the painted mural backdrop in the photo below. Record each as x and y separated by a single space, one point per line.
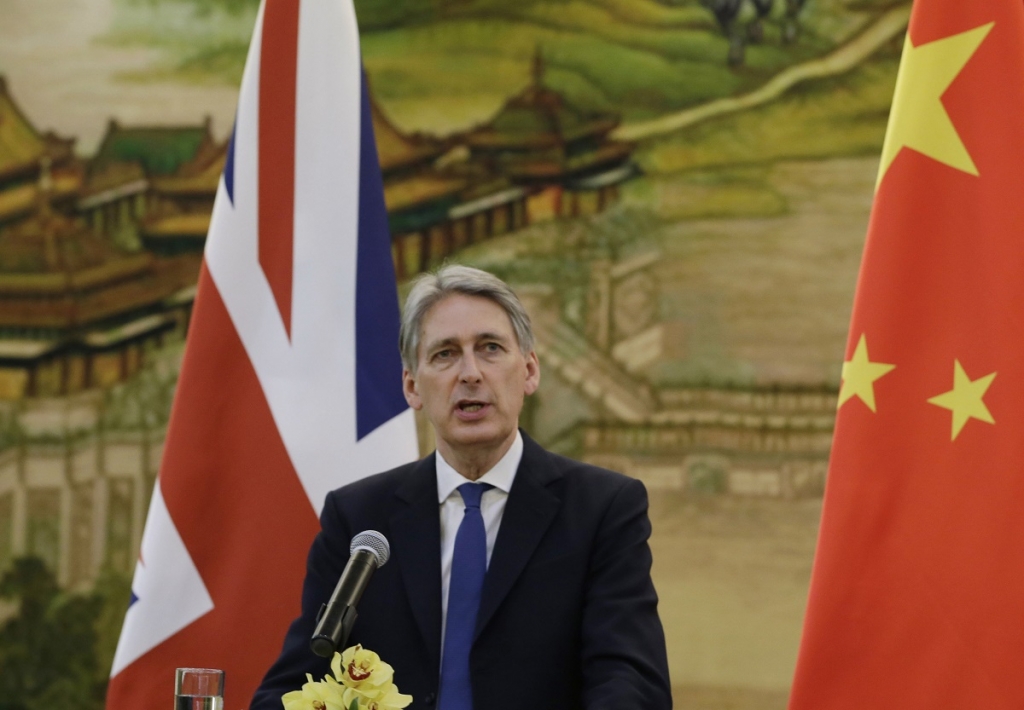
679 189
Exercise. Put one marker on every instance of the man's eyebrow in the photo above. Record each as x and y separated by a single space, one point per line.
446 342
486 335
440 343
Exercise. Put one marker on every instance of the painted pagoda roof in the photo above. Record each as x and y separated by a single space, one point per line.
49 244
397 150
22 147
193 224
160 150
177 161
198 176
109 176
20 200
527 167
55 273
416 190
539 117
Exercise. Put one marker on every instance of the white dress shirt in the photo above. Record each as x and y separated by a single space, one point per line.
492 507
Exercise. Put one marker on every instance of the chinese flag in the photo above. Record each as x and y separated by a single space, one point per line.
917 595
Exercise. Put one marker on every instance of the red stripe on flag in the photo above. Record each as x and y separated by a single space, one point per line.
278 65
240 508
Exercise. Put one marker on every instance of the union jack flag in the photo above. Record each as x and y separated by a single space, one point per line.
291 379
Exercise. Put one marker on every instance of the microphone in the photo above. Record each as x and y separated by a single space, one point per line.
369 550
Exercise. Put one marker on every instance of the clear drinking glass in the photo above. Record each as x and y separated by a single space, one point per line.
198 689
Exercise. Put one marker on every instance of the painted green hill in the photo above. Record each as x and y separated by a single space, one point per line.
441 65
639 58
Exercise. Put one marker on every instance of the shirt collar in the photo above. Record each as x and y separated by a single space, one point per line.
501 476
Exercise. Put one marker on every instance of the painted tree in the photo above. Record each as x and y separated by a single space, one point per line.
731 15
47 649
755 29
727 13
790 27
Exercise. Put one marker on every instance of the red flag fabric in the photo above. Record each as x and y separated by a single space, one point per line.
917 594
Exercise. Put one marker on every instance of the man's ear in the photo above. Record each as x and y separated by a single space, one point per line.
412 395
532 373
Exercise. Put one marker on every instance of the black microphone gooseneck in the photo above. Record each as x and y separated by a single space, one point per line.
369 550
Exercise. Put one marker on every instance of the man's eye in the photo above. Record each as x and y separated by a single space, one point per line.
442 354
492 347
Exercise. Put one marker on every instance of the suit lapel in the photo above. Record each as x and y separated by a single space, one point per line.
416 533
528 513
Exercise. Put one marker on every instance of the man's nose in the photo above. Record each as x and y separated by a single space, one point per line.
469 372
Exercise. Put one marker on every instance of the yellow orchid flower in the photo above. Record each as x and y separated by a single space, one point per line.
361 681
387 699
391 700
361 669
315 696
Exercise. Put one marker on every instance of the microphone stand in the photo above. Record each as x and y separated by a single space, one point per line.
336 618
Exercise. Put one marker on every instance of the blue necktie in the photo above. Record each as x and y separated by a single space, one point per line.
469 564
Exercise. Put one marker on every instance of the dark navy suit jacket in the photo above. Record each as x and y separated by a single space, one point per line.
568 618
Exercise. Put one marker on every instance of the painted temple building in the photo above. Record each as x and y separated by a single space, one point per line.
438 199
79 300
23 153
76 312
539 158
154 186
562 154
82 303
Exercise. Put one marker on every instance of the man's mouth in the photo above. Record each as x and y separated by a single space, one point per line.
471 406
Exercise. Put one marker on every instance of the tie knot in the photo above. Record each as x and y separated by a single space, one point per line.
472 493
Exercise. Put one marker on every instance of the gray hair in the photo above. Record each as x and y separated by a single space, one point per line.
451 279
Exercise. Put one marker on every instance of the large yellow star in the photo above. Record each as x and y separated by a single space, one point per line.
859 375
965 399
918 120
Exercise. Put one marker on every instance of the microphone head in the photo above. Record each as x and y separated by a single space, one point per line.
374 543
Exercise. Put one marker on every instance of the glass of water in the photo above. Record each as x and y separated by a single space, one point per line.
198 689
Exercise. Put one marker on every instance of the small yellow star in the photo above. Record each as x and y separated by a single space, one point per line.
965 399
918 120
859 375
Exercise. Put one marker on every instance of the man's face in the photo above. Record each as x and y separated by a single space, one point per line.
471 375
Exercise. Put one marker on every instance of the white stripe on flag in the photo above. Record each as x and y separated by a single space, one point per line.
169 592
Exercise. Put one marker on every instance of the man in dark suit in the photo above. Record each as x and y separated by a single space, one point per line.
518 579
